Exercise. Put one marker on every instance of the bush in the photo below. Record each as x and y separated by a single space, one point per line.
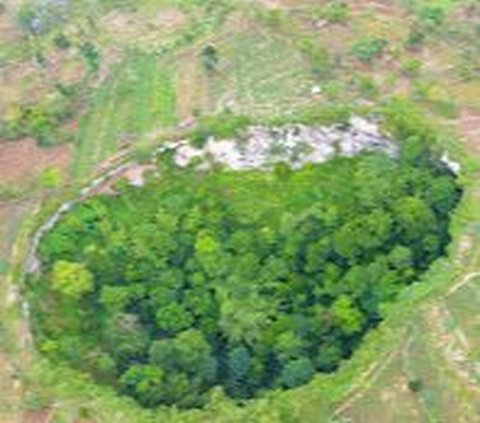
411 67
12 129
415 385
367 86
40 124
91 56
209 58
62 42
318 56
50 178
367 49
416 37
40 121
432 16
333 90
336 12
222 126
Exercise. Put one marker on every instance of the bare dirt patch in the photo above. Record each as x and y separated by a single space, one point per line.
37 416
191 87
65 67
469 126
287 4
20 83
169 18
10 215
135 27
133 174
22 161
9 32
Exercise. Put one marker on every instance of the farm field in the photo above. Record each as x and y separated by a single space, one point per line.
139 97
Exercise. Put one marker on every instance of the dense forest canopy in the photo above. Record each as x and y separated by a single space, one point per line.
247 280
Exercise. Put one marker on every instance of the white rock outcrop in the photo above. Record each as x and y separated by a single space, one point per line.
296 145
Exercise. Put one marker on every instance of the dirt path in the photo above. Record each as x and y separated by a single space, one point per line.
367 379
466 279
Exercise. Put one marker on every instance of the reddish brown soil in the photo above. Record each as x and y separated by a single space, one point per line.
22 161
37 416
469 122
9 32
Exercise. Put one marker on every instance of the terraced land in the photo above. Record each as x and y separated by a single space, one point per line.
137 98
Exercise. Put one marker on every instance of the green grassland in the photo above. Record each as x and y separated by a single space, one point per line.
261 73
137 98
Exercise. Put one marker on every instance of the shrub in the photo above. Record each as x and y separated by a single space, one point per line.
12 129
416 37
415 385
62 42
297 372
318 56
411 67
209 57
367 86
222 126
91 55
50 178
333 90
369 48
40 124
336 12
432 16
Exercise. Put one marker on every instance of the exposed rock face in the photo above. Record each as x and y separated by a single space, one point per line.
296 145
453 166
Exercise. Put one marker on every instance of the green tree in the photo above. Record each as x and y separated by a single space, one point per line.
71 279
349 318
297 372
239 368
328 356
414 218
173 318
145 382
125 338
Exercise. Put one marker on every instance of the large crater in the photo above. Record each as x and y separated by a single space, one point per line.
251 280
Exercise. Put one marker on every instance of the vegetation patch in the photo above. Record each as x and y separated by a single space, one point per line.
246 280
137 98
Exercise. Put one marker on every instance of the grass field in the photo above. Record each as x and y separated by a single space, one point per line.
138 97
261 73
